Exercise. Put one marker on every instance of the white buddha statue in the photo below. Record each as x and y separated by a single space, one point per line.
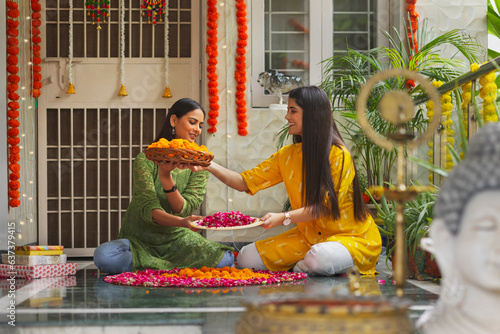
465 239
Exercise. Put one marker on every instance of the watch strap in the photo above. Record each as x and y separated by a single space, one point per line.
174 188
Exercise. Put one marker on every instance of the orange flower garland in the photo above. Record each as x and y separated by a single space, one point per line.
36 40
240 74
13 105
211 50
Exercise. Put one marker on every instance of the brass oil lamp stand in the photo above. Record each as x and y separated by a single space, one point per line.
397 108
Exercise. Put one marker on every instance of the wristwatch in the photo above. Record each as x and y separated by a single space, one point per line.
287 220
174 188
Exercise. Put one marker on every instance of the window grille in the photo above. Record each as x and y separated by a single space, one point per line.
142 40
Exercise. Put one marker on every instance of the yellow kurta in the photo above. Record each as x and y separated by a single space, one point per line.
281 252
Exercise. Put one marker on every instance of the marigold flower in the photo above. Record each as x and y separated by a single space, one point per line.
14 203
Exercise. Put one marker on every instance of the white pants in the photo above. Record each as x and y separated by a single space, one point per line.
326 258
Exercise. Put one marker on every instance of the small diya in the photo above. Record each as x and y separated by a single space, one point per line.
301 314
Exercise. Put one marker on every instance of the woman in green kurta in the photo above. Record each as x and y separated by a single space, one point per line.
156 231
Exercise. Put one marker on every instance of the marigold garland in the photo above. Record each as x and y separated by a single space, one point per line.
446 134
203 277
35 48
211 50
240 73
13 106
488 93
412 24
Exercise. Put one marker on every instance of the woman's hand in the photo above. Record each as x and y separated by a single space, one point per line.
272 220
164 168
186 222
196 168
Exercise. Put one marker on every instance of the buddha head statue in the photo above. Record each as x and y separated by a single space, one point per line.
465 240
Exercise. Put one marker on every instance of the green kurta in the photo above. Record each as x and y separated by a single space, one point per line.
156 246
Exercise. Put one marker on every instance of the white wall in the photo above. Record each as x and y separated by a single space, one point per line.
446 15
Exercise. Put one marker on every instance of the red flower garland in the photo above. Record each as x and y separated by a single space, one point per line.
13 106
211 50
412 24
240 74
36 60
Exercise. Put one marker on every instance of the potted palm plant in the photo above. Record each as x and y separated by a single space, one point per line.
345 75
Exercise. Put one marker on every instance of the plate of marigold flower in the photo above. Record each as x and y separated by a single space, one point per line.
179 150
226 221
203 277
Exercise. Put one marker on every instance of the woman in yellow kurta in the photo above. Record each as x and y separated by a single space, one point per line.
334 229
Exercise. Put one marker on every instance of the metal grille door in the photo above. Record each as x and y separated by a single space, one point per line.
89 170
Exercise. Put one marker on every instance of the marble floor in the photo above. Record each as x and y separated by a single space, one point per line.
84 303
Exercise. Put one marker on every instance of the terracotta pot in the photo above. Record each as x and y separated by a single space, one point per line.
421 266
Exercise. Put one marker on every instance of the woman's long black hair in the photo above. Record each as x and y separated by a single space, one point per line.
319 133
179 109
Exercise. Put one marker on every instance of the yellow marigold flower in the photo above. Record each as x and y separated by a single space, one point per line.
449 165
488 99
431 160
447 107
431 178
489 108
466 96
430 105
446 98
451 140
462 155
467 86
491 118
474 67
450 132
448 122
430 153
437 83
492 88
430 144
448 157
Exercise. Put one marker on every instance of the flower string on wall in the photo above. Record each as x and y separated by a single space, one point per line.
152 9
71 88
98 10
212 53
166 93
240 74
13 106
123 91
35 47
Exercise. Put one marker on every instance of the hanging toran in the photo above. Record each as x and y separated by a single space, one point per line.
153 9
98 10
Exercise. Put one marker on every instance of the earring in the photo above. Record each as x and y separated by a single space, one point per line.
173 132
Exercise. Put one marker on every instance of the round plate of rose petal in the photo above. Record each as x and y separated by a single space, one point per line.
203 277
226 221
